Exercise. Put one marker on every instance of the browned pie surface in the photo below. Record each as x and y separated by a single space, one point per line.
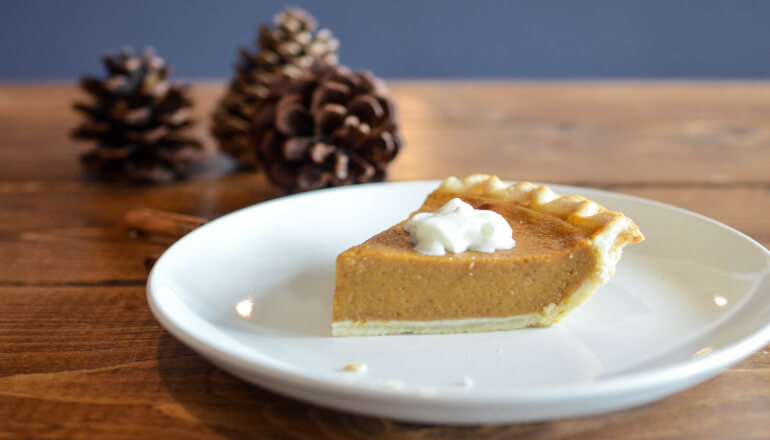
386 279
535 233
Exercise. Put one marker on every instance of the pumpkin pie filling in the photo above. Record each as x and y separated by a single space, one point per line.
378 279
565 248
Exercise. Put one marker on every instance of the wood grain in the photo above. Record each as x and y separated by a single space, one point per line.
82 357
551 132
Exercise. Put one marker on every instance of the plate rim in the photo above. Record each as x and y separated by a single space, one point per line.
713 362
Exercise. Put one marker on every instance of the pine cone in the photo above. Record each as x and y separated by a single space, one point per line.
137 120
328 127
285 50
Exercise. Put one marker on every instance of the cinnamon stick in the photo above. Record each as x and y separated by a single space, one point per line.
157 222
150 261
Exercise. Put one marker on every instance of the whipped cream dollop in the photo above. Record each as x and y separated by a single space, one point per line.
457 227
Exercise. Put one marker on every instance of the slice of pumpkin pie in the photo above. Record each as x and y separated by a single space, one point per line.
479 255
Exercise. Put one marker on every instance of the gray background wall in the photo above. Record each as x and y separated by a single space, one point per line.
406 38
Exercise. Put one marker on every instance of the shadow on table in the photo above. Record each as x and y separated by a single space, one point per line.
236 409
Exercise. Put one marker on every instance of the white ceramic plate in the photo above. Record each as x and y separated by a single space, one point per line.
252 292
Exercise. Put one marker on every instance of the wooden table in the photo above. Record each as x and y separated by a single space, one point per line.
82 357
